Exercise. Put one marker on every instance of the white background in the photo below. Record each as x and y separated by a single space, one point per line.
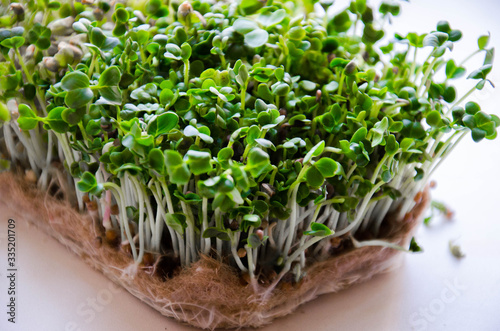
56 290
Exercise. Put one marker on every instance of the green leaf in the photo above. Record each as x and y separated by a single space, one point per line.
243 74
121 15
177 169
156 160
199 162
14 42
54 5
270 19
185 51
478 134
130 168
471 108
254 240
318 230
435 39
327 167
162 124
339 62
256 38
359 135
265 143
99 39
27 118
391 146
176 221
483 41
386 176
173 52
167 97
414 247
307 85
341 22
480 73
89 184
452 71
314 177
77 85
189 198
225 154
433 118
412 129
55 121
250 220
74 80
257 162
250 6
240 177
297 33
244 25
315 151
378 131
4 113
216 233
110 77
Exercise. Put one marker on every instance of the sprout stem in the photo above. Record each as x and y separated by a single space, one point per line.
117 192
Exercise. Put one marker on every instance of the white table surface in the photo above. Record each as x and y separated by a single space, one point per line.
430 291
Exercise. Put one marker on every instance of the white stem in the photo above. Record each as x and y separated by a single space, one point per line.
141 215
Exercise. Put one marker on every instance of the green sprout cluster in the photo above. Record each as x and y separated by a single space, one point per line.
252 131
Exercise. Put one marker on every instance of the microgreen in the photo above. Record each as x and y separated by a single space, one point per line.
221 127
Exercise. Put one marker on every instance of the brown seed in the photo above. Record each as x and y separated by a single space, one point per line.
115 210
336 242
268 189
350 67
148 259
432 184
51 64
242 252
30 51
260 234
449 214
234 225
98 14
111 235
106 127
330 189
17 8
418 197
185 9
318 96
30 176
85 198
245 278
264 225
91 205
283 111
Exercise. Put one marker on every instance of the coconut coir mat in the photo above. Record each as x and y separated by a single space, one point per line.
208 294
